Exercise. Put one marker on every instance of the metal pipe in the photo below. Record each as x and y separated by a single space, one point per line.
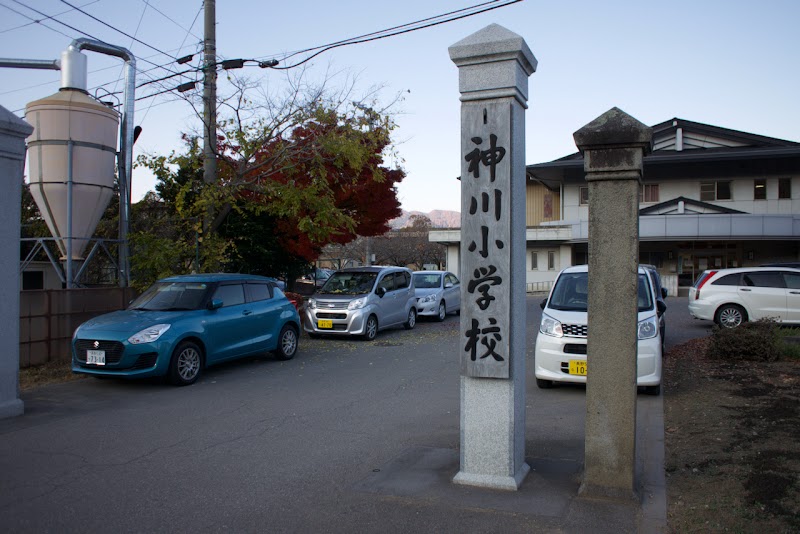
46 64
125 157
70 279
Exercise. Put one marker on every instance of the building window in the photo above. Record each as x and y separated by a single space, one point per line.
551 261
648 193
534 261
760 190
785 188
715 191
584 196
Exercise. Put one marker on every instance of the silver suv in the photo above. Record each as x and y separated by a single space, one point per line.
362 300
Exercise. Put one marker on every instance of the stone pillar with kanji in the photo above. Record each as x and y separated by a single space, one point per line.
493 69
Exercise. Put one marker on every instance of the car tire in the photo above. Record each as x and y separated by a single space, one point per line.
287 343
412 319
730 316
186 364
371 329
544 384
442 311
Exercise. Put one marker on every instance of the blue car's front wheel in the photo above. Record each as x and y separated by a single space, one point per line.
185 365
287 343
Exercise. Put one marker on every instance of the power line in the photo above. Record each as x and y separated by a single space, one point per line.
138 72
343 41
34 21
116 29
39 21
188 31
377 36
78 31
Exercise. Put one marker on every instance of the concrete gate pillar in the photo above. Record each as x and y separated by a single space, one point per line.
13 132
613 147
494 65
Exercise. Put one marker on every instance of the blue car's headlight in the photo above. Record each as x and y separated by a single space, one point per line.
428 298
149 334
648 328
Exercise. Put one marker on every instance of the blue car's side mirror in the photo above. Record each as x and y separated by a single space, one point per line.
214 304
448 285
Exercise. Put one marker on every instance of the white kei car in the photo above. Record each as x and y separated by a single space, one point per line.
560 353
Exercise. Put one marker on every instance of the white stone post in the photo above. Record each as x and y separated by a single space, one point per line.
494 65
13 132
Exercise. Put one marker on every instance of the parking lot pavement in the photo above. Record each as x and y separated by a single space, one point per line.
348 436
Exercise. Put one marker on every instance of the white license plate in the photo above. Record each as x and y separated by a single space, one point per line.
96 357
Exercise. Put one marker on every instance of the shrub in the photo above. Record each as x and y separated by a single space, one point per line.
757 341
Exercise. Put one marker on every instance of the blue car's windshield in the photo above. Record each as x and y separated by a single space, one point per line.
427 280
571 293
171 296
349 283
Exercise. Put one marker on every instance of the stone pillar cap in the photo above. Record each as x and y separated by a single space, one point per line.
614 129
493 43
12 125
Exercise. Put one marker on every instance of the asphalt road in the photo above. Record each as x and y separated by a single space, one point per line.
262 445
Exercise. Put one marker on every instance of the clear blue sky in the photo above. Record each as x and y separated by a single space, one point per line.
728 63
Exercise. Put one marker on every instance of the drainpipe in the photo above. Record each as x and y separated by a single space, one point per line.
125 156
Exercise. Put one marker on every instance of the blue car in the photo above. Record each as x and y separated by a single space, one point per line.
183 324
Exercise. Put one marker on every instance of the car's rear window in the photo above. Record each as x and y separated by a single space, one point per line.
728 280
571 293
427 281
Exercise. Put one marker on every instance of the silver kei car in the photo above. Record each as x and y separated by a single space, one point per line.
361 301
438 293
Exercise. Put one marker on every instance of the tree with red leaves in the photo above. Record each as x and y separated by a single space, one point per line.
292 178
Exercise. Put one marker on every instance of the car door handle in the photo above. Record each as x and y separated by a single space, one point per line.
745 289
247 312
795 292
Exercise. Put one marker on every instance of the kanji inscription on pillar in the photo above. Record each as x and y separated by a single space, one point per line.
485 231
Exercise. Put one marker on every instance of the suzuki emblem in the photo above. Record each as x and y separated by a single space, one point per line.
96 344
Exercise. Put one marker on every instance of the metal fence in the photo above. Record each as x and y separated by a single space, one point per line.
539 287
49 317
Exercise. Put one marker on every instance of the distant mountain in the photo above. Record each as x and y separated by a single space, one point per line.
439 219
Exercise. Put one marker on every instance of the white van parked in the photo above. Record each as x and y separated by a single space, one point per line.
560 352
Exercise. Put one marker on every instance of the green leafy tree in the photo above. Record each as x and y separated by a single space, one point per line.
292 178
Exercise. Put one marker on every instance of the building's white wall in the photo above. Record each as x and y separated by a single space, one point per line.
453 263
741 191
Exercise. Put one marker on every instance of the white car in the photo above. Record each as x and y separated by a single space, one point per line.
730 297
438 293
560 354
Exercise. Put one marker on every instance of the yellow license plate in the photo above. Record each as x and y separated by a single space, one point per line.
577 367
325 323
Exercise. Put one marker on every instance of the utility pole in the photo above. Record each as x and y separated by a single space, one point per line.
210 94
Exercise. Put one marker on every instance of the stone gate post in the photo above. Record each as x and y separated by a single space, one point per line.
613 147
13 132
493 69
